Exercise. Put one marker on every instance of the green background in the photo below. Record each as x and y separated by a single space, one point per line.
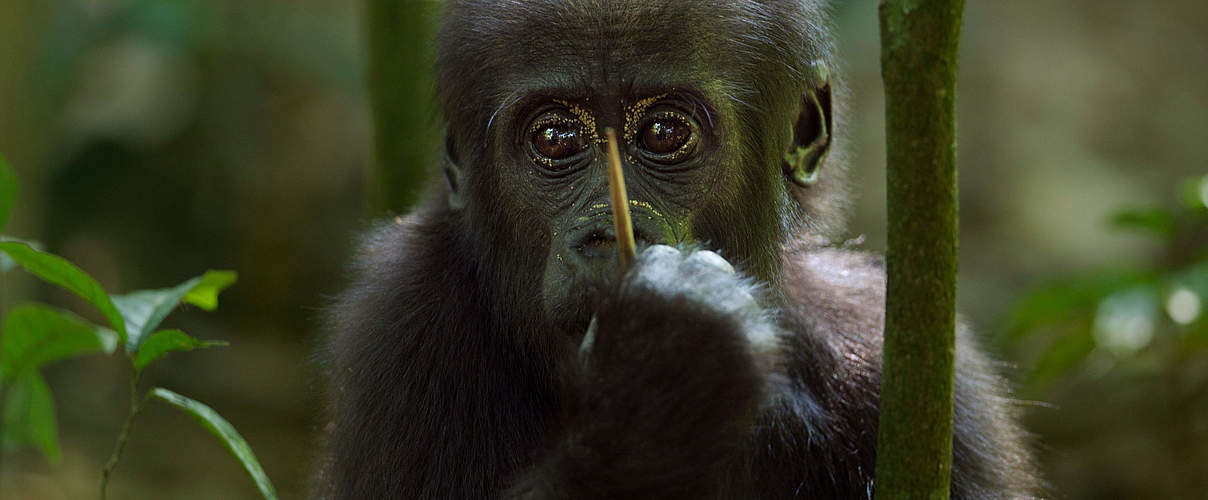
154 139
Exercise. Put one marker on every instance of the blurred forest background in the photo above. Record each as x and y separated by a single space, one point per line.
154 139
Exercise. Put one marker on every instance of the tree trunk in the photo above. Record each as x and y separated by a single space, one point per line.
919 41
401 92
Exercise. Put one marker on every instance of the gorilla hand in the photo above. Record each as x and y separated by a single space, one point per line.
671 383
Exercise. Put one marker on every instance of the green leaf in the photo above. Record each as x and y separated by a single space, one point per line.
8 190
1194 193
1061 300
6 262
35 335
223 430
58 271
1063 355
29 417
1194 277
144 310
205 294
1157 221
165 341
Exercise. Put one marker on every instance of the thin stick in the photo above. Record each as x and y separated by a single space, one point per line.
620 203
136 407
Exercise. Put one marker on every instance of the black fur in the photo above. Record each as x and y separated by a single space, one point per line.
456 363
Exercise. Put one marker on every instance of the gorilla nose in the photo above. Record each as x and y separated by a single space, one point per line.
596 243
601 242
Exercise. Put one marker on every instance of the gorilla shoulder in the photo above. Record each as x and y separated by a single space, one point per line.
827 287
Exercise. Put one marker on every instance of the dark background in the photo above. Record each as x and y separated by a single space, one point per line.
154 139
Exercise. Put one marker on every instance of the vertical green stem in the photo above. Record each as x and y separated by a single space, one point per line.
136 407
401 92
919 42
3 401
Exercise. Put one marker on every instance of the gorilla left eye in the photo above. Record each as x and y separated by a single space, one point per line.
558 141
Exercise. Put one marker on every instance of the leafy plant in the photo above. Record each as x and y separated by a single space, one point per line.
1126 313
36 335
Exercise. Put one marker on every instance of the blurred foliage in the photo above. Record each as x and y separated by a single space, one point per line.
8 190
1137 330
158 137
1129 313
36 335
401 87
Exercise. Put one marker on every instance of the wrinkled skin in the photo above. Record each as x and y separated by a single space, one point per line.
738 358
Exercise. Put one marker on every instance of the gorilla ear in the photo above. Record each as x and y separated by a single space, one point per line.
452 172
811 132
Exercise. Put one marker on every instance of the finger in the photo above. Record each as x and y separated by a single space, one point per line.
707 259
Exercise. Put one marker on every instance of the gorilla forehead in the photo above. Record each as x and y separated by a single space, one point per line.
487 50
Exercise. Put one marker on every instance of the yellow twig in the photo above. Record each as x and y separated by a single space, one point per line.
620 203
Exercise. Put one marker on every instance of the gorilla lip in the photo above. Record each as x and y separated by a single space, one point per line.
620 202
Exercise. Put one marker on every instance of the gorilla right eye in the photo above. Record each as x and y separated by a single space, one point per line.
557 141
664 137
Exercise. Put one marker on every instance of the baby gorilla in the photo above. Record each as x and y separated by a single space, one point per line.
464 362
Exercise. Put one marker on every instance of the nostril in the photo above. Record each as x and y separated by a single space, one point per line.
642 240
596 243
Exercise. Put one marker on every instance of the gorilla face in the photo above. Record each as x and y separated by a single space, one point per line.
704 129
669 154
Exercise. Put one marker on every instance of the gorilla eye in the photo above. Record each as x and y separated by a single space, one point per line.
558 141
668 138
665 136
